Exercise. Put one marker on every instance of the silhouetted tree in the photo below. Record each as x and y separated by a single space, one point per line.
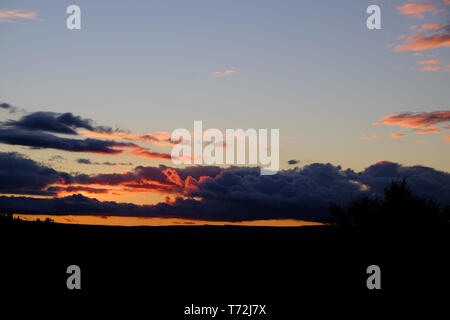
48 220
400 207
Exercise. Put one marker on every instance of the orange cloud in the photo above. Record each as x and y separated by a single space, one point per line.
430 68
366 137
425 43
447 2
13 15
427 130
147 153
446 138
427 37
398 135
416 10
431 26
421 122
431 61
161 138
224 73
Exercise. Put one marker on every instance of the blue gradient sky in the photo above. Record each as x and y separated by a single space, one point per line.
310 68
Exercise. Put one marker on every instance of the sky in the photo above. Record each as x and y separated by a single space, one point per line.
339 93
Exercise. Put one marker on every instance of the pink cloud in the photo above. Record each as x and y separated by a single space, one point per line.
416 10
430 68
14 15
398 135
366 137
425 43
224 73
432 26
421 122
431 61
427 130
446 138
427 37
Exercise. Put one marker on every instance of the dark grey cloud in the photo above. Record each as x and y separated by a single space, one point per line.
56 158
232 194
65 123
19 175
76 189
37 139
292 162
4 105
106 163
84 161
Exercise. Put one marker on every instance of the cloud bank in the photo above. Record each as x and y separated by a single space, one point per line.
212 193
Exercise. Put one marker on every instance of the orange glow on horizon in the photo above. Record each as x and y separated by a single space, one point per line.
158 221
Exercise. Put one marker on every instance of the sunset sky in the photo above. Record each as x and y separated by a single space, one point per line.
89 112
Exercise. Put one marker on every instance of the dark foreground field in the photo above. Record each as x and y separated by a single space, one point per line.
164 269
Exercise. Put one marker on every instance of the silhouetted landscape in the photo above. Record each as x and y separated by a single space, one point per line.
407 236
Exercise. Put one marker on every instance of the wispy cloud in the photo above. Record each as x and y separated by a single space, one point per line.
106 163
161 138
431 26
367 137
420 122
17 14
431 61
429 68
427 37
398 135
416 10
446 138
219 74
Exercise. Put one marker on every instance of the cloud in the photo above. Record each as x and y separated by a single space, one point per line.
17 14
446 138
161 138
161 178
65 123
20 175
398 135
431 61
56 158
148 153
106 163
416 10
293 162
33 130
439 37
44 140
219 74
212 193
238 193
427 130
8 107
420 122
425 43
60 190
367 137
429 68
431 26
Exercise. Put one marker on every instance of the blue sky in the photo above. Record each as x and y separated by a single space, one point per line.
310 68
